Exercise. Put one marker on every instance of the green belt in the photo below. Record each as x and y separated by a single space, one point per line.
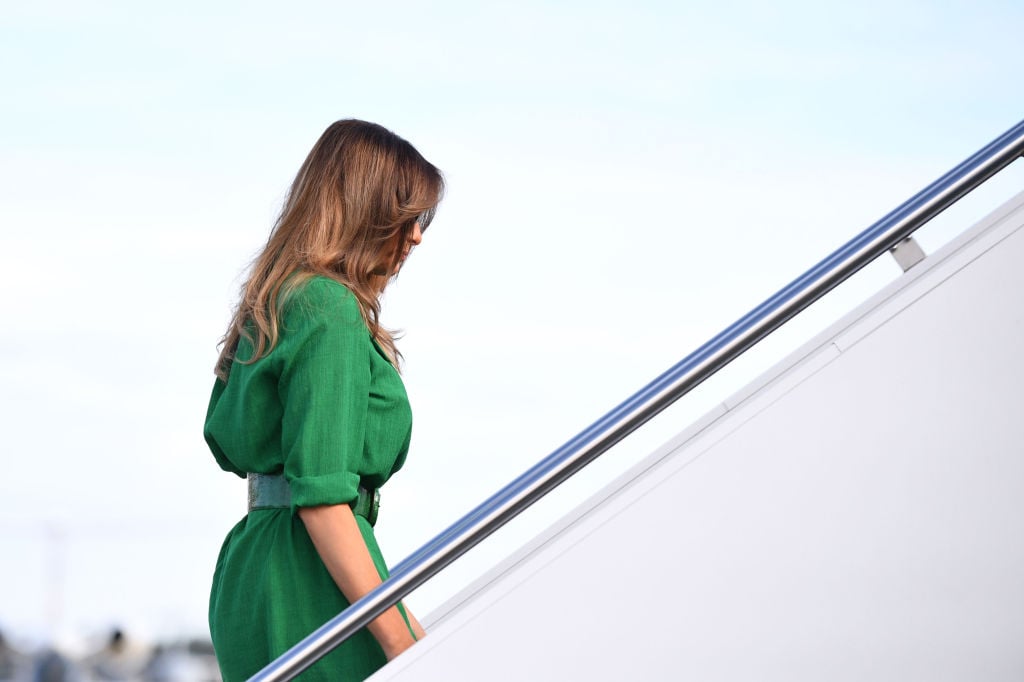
267 491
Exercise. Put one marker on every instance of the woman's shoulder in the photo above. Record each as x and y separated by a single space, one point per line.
324 289
321 299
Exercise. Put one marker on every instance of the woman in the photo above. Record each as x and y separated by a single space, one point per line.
308 404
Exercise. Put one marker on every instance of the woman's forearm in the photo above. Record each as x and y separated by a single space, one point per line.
336 536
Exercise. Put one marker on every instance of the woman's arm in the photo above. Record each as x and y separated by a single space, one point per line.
417 629
337 539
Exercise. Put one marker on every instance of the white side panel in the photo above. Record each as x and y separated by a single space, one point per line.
857 514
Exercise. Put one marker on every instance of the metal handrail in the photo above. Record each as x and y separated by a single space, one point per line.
691 371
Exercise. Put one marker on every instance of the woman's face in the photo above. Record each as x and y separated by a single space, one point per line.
404 245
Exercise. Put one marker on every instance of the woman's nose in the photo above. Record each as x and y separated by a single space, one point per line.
417 235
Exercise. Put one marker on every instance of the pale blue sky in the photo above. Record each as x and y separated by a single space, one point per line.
624 182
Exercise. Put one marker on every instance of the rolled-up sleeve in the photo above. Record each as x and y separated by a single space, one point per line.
324 390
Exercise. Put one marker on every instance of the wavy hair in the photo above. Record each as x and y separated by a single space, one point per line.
353 205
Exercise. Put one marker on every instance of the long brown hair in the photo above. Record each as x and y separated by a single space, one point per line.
352 207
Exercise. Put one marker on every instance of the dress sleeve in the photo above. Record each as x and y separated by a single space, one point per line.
324 388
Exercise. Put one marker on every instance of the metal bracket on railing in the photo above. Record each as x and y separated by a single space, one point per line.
679 380
907 253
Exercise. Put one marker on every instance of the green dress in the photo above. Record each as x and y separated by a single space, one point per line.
328 410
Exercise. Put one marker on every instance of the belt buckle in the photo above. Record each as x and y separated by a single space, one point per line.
374 499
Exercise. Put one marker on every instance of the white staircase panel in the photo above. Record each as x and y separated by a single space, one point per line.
856 513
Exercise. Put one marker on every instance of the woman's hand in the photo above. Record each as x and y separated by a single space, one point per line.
338 541
392 641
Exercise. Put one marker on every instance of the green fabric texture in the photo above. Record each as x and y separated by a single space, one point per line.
328 410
